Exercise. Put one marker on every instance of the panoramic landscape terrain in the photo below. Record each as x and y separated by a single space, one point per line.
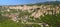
46 14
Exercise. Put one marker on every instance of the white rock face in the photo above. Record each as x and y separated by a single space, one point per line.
47 9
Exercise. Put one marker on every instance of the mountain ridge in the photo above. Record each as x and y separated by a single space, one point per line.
40 3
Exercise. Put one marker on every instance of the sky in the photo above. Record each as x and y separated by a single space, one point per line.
18 2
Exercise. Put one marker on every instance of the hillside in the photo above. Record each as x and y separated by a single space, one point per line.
31 15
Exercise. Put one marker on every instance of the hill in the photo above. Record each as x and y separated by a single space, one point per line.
46 3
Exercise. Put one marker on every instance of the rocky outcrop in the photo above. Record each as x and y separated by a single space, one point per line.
39 10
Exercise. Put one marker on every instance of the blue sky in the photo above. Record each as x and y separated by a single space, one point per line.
17 2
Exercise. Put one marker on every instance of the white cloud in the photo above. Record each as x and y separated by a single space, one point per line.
51 0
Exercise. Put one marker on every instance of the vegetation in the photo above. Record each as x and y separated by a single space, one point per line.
6 21
51 20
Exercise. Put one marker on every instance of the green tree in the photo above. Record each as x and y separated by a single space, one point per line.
50 20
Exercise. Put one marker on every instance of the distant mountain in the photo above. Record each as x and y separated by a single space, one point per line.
46 3
50 2
40 3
